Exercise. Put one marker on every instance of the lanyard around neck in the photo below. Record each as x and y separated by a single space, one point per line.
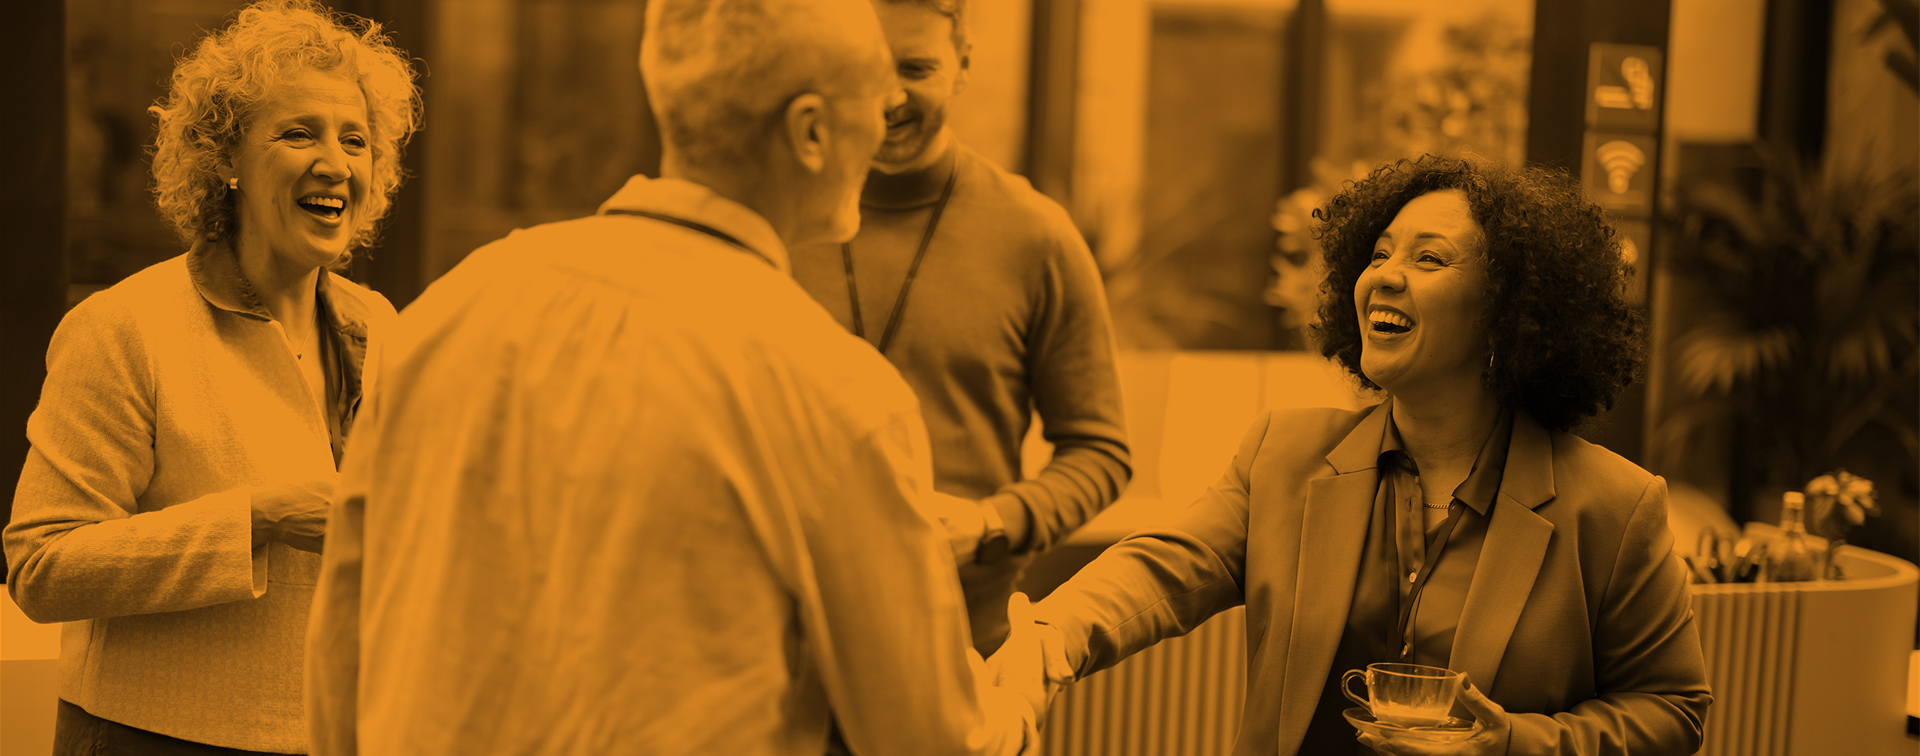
899 304
1436 547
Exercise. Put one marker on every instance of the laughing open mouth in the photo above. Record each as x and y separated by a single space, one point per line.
329 208
1389 322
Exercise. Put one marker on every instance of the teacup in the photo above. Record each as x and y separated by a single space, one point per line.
1409 695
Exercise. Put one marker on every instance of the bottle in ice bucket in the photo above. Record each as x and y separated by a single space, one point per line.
1791 559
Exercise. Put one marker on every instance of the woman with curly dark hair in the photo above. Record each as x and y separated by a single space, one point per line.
1455 525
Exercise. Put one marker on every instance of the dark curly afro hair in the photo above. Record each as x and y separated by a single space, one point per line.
1565 338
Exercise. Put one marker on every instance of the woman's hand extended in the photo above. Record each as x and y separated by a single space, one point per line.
293 512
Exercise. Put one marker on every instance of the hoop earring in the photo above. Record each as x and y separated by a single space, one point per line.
233 184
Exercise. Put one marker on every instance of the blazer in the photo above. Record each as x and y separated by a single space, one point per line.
1578 622
167 397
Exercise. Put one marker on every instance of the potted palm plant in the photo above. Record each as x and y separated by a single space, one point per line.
1801 351
1805 341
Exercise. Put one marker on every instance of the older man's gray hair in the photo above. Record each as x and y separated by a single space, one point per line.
719 72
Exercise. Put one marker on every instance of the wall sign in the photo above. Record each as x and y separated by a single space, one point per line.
1624 88
1636 242
1618 170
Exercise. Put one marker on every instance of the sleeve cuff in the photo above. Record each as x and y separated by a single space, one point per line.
1524 734
1018 520
233 510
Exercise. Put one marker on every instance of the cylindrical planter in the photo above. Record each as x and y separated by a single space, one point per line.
1811 668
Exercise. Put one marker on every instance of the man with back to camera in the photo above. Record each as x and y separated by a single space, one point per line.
981 291
620 487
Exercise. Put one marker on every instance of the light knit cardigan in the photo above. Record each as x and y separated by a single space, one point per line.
167 397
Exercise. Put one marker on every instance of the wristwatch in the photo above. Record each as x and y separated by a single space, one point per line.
993 543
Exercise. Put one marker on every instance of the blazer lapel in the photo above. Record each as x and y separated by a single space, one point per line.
1515 546
1333 531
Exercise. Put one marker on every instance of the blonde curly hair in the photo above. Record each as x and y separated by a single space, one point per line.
217 87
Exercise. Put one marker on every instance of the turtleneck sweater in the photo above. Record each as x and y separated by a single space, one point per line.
1006 316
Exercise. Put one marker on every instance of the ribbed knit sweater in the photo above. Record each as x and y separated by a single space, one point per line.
1006 316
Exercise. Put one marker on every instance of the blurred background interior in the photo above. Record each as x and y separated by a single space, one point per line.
1759 157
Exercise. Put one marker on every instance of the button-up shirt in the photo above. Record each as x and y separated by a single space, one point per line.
1396 548
624 488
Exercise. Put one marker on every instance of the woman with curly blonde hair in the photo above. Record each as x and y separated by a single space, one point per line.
174 502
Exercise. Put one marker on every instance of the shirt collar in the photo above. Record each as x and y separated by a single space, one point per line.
214 268
215 271
697 204
1481 485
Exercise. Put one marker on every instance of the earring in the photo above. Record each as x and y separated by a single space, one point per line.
233 184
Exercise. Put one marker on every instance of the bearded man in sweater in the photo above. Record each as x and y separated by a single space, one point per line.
984 295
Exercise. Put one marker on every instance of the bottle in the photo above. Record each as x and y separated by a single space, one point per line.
1791 558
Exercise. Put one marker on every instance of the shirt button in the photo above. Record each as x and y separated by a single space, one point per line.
1410 576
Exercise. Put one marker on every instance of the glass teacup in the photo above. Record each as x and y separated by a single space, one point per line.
1409 695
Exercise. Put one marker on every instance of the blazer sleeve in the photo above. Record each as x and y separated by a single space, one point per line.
78 547
1649 672
1161 582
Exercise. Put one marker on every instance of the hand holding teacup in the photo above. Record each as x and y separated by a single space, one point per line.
1412 695
1406 695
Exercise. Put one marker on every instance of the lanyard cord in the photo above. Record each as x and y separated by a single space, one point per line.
1436 547
900 304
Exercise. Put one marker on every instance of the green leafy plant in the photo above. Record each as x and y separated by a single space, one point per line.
1294 288
1905 16
1837 503
1472 100
1808 337
1841 501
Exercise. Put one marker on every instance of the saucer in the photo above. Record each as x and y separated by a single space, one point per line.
1453 730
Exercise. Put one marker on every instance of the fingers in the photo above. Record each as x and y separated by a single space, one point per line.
963 521
1053 648
1019 611
1483 708
305 543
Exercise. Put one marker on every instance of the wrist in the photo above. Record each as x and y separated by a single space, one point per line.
994 545
1014 518
260 534
260 523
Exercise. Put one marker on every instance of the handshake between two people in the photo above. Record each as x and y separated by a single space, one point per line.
1032 663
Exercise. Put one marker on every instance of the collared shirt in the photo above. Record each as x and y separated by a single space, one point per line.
1400 503
1396 548
168 397
623 488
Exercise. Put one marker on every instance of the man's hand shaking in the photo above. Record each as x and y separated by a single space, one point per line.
1033 661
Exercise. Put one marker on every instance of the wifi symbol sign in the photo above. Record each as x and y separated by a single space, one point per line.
1621 159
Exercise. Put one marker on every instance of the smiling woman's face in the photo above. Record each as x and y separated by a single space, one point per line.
304 163
1421 298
